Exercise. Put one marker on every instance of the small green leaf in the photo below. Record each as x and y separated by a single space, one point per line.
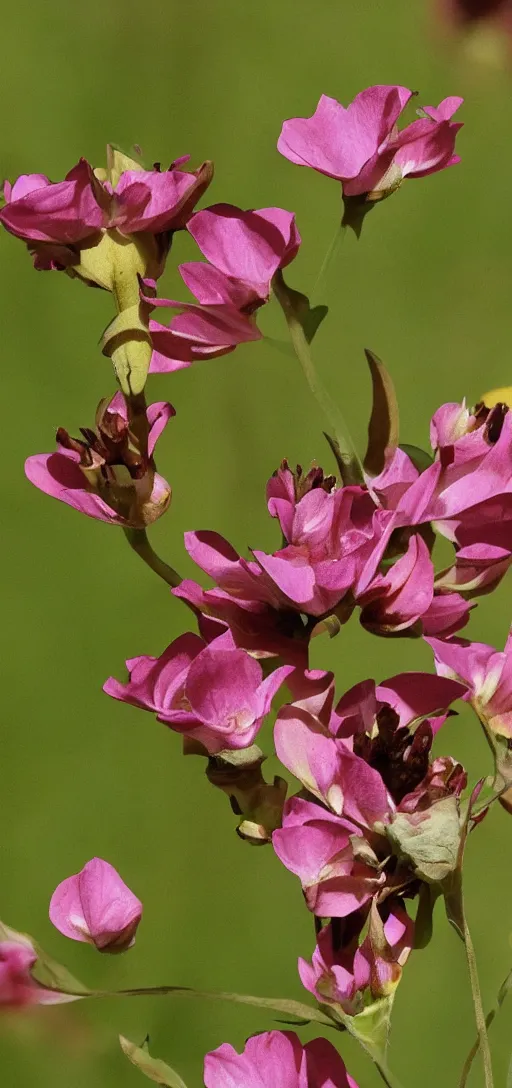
420 458
383 428
153 1068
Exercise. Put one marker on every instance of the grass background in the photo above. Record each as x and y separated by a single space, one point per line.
428 289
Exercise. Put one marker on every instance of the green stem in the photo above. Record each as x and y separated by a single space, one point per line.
327 261
502 994
285 297
480 1020
138 540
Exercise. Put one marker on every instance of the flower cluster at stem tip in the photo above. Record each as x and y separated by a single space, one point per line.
375 828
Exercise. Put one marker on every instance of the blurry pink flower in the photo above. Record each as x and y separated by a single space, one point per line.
472 11
95 906
38 210
215 694
248 246
277 1059
488 675
361 146
221 319
101 474
17 987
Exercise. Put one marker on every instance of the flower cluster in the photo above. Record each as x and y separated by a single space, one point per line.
377 820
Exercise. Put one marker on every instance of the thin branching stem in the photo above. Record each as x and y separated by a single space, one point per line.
138 540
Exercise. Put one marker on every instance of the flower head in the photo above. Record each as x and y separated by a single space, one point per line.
348 972
213 693
96 906
361 764
105 474
361 146
62 222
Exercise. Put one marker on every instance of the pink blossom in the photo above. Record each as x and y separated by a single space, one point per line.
347 973
364 761
277 1058
215 694
361 146
487 672
335 541
318 847
101 474
473 463
221 319
96 906
17 986
66 212
248 246
254 625
396 600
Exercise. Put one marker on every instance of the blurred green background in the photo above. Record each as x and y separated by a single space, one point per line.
428 289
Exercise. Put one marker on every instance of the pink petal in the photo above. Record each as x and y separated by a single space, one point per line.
58 475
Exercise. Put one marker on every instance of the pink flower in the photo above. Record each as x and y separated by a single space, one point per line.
396 600
349 974
95 906
364 762
66 212
101 474
361 146
215 326
254 625
488 675
336 539
17 986
277 1058
248 246
320 848
215 694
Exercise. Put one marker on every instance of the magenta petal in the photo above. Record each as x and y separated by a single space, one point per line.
246 245
64 212
416 694
158 415
58 475
150 200
272 1059
112 912
338 141
310 755
66 911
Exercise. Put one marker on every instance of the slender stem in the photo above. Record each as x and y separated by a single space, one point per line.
138 540
481 1024
502 994
328 260
285 297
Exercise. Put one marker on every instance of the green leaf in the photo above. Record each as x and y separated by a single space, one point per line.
153 1068
431 846
383 428
420 458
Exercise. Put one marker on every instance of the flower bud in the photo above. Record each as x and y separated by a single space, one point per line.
96 907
